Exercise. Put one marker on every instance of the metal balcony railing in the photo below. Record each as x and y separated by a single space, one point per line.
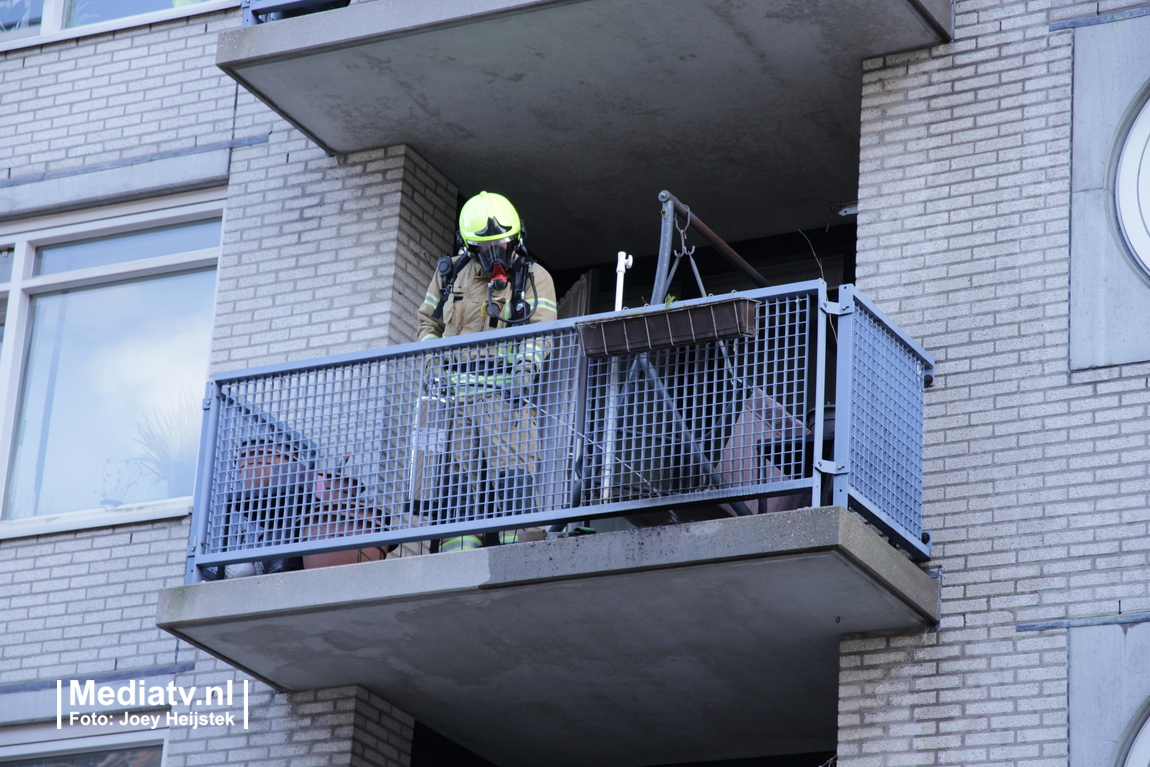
448 437
262 11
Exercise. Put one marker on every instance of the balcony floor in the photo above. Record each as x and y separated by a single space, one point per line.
702 641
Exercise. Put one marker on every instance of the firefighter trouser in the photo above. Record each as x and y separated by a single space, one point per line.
492 431
489 465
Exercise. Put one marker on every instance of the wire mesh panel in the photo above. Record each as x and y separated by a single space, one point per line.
885 412
700 417
520 428
381 448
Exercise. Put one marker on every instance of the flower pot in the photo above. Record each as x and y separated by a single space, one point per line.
337 519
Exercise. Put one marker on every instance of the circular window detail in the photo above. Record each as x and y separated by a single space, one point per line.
1139 753
1132 188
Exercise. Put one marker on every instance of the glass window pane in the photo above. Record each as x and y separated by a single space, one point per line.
132 246
3 321
137 756
18 16
92 11
6 259
110 401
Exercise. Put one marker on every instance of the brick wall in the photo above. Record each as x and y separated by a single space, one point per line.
324 256
85 602
114 96
340 727
1037 488
312 244
320 256
82 604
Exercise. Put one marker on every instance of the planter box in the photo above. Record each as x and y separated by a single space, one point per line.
668 328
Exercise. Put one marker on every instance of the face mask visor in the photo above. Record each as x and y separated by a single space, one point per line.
492 254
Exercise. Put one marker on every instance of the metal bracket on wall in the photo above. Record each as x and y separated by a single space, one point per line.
838 310
829 467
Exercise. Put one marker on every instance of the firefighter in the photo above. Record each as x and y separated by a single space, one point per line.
489 460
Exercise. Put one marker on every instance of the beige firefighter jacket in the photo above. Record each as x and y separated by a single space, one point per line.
466 307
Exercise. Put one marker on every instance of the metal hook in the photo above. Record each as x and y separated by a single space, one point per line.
683 237
683 229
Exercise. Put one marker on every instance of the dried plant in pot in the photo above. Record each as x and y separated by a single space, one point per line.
169 437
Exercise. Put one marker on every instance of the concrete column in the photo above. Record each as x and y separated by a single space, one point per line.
337 727
325 255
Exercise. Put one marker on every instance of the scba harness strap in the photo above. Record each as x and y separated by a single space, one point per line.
521 273
448 272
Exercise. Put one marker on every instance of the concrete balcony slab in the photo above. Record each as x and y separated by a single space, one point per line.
709 640
582 111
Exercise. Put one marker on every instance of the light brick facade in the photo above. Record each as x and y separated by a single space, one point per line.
324 256
1037 488
320 255
1037 480
115 96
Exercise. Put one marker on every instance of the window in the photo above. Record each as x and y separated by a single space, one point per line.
112 745
21 16
1139 753
1132 189
1109 198
136 756
61 19
105 359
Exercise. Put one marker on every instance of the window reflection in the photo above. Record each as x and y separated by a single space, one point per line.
3 321
132 246
139 756
82 12
20 15
109 409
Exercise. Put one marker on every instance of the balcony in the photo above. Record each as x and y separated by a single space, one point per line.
685 643
714 638
749 109
438 439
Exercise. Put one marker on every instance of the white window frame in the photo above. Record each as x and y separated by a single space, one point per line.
1138 754
43 739
23 237
52 27
1132 179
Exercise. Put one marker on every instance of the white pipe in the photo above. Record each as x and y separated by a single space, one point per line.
622 264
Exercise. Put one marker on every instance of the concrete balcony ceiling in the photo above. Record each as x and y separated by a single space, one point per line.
581 111
701 641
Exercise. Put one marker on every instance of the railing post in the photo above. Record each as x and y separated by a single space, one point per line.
579 467
609 448
666 238
201 503
844 382
820 394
